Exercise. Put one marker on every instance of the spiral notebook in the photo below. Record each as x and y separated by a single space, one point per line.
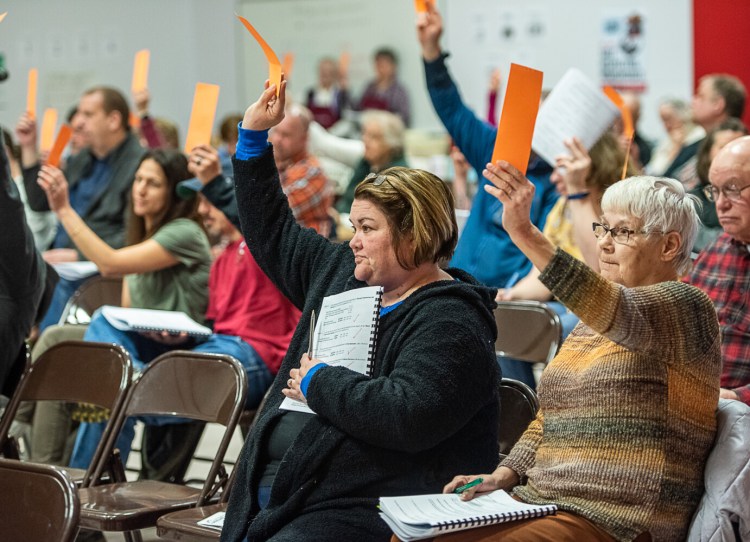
127 319
345 334
425 516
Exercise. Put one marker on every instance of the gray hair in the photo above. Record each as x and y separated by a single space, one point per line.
680 106
661 204
392 126
298 110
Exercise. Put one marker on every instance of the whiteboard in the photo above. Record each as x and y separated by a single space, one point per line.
313 29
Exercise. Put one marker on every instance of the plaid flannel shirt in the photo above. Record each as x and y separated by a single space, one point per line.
309 193
722 270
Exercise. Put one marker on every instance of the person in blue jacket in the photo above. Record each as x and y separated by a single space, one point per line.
484 248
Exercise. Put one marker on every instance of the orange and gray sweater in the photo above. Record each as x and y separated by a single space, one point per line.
627 415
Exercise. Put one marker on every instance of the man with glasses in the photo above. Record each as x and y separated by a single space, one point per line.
722 270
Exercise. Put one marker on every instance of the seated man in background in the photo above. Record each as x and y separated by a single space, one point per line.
484 249
722 270
100 178
308 190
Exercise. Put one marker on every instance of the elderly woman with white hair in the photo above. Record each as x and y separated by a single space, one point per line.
381 147
627 406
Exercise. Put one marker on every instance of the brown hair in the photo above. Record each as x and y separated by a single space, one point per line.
113 100
732 90
607 159
418 207
174 166
704 152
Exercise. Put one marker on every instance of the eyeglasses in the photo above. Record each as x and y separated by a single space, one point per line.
620 235
731 192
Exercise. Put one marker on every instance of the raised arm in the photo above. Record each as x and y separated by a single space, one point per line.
474 137
640 319
291 256
141 258
323 143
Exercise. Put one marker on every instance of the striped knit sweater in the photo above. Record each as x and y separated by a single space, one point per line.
627 406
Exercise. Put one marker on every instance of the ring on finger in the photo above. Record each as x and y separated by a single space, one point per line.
290 382
198 161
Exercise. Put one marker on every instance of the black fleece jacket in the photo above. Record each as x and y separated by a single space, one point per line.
429 411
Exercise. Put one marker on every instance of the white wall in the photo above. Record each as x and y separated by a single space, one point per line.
78 43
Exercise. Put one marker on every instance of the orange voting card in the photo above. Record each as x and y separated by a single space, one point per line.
287 65
421 5
49 124
516 128
627 117
31 92
140 70
344 61
63 136
2 16
274 66
134 121
205 100
627 123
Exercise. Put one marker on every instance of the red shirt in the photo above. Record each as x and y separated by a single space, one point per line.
722 270
243 302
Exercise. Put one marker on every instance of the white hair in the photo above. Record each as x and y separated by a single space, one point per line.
659 204
391 125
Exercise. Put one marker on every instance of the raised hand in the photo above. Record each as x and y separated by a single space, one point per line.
268 110
26 131
429 30
55 185
204 163
572 170
515 192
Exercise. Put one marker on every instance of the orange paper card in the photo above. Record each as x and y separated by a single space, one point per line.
344 61
516 128
205 100
31 92
63 136
274 66
2 16
140 70
287 65
134 121
49 124
627 117
421 6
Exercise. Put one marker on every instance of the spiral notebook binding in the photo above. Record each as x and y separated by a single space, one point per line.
374 332
481 521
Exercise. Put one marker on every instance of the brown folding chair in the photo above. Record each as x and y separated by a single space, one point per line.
183 524
529 331
205 387
518 408
92 294
40 503
74 372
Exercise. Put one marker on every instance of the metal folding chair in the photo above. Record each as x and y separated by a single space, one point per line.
92 294
205 387
40 503
518 408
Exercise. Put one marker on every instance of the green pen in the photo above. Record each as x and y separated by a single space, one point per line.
471 484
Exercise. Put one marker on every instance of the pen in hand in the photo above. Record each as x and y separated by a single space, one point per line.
471 484
312 334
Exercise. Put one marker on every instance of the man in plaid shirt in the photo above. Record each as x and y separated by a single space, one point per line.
722 270
308 190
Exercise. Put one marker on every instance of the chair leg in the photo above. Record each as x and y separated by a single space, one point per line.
133 536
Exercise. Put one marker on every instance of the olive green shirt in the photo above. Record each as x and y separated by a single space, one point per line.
182 287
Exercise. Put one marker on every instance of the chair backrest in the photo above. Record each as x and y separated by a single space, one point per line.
92 294
75 372
723 509
518 408
527 330
205 387
40 503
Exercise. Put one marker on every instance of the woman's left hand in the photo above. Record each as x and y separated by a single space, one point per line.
515 192
294 382
54 184
574 168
